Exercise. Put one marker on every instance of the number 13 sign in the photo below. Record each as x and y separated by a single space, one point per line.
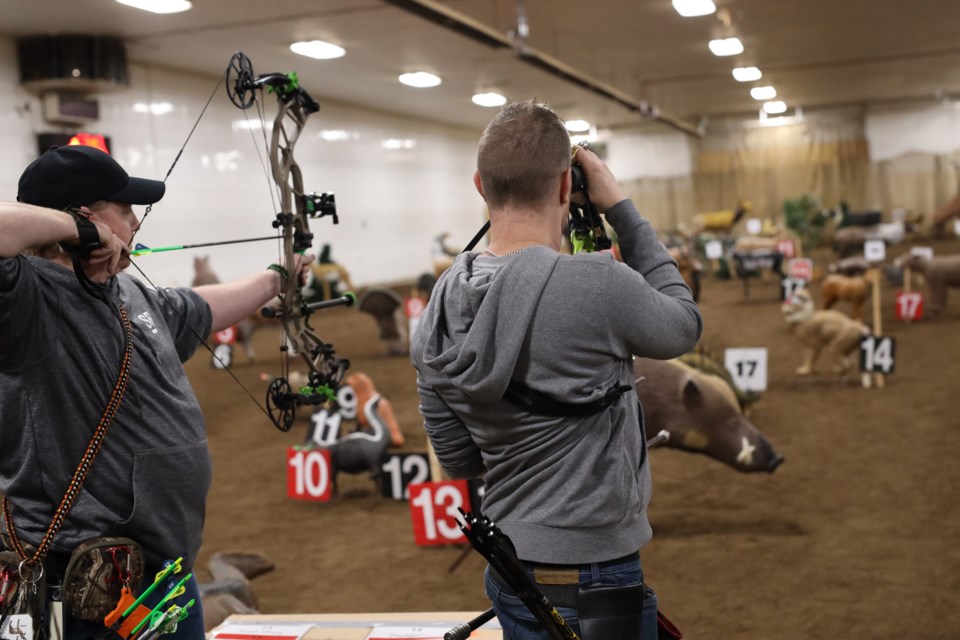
434 507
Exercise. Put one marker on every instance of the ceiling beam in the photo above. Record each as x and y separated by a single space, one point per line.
467 26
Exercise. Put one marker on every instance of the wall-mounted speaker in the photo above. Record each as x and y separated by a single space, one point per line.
76 63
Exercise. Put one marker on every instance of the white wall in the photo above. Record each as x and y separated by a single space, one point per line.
931 129
391 201
632 156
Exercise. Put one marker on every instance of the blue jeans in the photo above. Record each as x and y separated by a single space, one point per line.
519 624
191 628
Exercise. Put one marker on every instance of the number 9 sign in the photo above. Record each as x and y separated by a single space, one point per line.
434 507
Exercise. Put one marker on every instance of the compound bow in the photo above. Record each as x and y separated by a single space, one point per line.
325 369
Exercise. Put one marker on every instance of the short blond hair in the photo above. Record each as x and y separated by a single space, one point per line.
522 154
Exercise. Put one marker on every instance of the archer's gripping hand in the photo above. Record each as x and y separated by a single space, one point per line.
111 256
602 186
301 267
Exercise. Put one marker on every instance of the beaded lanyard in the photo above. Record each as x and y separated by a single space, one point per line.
80 474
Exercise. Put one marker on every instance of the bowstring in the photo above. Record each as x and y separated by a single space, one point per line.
159 291
184 145
203 341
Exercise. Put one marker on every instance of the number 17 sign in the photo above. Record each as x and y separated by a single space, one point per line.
748 367
909 305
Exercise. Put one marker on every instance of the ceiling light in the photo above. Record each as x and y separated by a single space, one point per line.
489 100
577 126
159 6
692 8
763 93
746 74
777 106
318 49
726 47
420 79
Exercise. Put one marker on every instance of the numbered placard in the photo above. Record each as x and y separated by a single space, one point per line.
401 470
748 367
875 250
878 354
413 308
786 248
227 336
714 250
789 286
801 268
923 252
434 508
308 474
909 305
754 226
324 427
222 356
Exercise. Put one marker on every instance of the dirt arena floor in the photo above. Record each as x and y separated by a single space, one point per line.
856 535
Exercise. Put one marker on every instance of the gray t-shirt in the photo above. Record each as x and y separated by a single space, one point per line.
60 353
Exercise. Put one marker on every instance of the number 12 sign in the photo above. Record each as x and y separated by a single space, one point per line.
434 507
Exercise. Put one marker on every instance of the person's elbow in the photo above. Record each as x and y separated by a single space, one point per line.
683 335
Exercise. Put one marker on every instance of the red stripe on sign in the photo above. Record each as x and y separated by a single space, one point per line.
251 636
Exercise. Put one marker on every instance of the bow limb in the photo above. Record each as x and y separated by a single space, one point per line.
326 371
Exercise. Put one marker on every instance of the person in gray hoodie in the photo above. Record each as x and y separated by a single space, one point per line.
570 491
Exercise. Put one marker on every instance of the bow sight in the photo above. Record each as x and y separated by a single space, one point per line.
587 232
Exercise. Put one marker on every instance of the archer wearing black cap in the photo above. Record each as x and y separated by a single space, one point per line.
98 193
73 364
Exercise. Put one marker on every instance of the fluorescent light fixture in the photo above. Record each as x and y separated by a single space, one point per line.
763 93
489 100
746 74
419 79
159 6
156 108
726 47
777 106
577 126
334 135
693 8
318 49
396 143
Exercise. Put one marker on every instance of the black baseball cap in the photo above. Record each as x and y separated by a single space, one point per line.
77 176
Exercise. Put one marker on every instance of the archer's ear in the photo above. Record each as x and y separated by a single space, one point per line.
478 184
566 184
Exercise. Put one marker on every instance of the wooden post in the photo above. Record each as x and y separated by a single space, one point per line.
436 471
877 320
906 285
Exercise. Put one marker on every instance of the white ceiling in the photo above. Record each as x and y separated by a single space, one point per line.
818 53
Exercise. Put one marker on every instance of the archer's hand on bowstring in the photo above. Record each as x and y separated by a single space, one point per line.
602 185
110 258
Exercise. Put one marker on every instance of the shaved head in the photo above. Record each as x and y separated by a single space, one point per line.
522 155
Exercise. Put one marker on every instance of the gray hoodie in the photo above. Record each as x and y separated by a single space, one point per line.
566 490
